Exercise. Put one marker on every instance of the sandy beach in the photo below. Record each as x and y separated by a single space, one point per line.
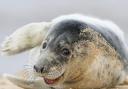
5 84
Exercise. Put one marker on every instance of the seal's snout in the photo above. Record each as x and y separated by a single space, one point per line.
40 69
51 73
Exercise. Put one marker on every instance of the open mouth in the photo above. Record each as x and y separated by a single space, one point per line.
53 81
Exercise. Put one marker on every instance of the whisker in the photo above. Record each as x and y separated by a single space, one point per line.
30 74
29 69
28 65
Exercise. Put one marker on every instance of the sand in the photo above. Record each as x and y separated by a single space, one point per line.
5 84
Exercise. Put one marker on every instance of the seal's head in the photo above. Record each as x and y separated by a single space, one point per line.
69 53
58 49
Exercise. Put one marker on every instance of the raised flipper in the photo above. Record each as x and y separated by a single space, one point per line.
25 38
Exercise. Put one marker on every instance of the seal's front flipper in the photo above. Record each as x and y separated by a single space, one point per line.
26 84
24 38
19 82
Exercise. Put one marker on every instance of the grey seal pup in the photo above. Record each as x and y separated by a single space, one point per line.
71 52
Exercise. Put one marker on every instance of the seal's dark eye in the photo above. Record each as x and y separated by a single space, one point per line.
65 52
44 45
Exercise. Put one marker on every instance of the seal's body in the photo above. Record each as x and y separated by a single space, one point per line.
76 52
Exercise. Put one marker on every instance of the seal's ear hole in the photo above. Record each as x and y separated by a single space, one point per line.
66 52
44 45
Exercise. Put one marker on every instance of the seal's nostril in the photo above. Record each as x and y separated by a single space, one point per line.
39 69
36 68
42 70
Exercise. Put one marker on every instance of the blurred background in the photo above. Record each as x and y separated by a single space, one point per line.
16 13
